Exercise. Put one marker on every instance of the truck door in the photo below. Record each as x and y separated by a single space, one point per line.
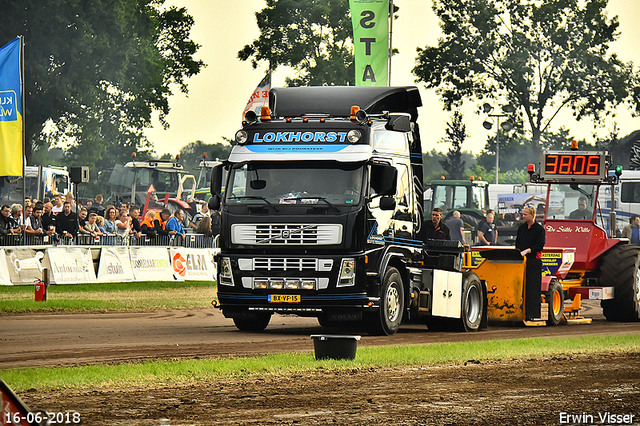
404 214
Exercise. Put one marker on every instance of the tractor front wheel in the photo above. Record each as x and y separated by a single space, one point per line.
555 300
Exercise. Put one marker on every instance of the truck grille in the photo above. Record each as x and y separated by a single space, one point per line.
287 264
287 234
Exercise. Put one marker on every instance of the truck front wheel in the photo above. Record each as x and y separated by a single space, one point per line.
621 270
252 321
387 319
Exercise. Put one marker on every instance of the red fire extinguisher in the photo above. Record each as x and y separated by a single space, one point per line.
41 287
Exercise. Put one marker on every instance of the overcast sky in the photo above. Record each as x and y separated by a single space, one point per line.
219 93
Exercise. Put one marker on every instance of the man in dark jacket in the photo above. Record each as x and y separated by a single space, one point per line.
134 214
97 207
67 220
436 229
48 218
530 241
5 223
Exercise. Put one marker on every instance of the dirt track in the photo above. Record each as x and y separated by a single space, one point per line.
530 392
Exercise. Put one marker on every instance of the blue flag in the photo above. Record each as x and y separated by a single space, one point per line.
10 110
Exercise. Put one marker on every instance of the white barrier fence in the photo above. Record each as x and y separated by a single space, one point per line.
80 265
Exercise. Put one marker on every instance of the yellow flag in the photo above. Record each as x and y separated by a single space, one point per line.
11 154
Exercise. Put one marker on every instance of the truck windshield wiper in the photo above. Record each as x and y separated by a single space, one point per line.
323 199
254 197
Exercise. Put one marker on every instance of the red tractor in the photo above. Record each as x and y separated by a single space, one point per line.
604 268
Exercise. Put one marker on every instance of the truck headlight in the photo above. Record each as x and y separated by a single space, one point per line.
260 283
226 277
292 284
308 284
354 136
241 137
276 284
347 273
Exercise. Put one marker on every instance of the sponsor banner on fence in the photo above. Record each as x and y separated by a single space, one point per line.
5 278
192 264
115 265
151 263
24 265
71 265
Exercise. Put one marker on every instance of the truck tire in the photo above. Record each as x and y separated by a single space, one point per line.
387 319
621 270
472 303
252 321
555 299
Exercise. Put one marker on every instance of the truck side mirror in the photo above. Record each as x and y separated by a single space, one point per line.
214 202
384 179
216 180
399 122
387 203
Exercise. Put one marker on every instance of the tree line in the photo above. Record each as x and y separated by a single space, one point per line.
97 71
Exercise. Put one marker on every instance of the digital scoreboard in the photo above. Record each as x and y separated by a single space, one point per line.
573 166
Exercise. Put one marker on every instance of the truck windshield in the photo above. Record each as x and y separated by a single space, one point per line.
301 182
453 197
571 201
163 181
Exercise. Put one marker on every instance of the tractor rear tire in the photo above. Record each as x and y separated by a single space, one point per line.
621 270
555 300
470 220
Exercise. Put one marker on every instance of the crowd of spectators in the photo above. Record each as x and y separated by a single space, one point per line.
61 217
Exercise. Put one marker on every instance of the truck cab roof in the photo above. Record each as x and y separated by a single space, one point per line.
336 101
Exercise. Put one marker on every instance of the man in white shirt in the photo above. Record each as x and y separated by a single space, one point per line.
57 204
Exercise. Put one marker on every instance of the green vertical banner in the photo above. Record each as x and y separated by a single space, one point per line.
370 19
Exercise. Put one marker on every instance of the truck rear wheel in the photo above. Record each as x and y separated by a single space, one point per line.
555 300
252 321
621 270
472 306
387 319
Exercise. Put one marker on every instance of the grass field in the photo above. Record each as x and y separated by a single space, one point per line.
149 296
131 296
183 371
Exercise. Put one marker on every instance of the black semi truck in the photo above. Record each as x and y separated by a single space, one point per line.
321 215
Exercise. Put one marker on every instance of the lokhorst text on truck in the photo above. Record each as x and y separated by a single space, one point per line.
322 212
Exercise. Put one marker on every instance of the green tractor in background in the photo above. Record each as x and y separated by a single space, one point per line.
472 199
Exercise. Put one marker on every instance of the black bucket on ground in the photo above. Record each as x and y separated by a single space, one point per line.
328 346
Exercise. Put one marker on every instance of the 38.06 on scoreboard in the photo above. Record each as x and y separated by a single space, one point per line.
574 166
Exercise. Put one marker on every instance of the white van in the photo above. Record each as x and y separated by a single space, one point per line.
626 198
